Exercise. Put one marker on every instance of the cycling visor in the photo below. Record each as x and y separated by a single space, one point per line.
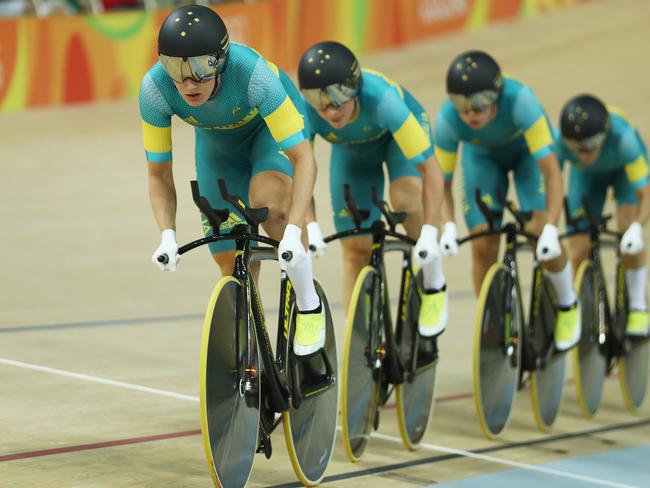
589 144
197 68
335 95
477 102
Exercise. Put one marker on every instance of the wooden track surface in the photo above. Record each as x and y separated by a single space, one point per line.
80 298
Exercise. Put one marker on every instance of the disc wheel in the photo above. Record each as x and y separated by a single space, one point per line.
589 363
419 355
310 429
359 385
495 371
547 380
229 393
633 373
633 364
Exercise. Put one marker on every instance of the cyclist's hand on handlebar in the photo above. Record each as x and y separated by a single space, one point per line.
166 256
632 240
548 244
449 240
291 252
426 249
316 243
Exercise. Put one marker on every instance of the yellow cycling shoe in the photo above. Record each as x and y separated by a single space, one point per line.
568 327
310 333
637 323
433 313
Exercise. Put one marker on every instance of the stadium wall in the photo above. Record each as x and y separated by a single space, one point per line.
66 60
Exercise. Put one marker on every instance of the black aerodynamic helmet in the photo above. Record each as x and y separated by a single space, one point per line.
193 43
474 81
583 117
329 74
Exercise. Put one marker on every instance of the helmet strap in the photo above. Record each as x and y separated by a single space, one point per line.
216 87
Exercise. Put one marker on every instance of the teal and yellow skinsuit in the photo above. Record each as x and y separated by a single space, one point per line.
243 130
517 137
390 125
622 165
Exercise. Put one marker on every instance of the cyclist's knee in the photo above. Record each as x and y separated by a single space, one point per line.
272 190
485 250
356 252
536 224
226 262
405 195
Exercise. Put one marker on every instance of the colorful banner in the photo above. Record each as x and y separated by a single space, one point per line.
65 60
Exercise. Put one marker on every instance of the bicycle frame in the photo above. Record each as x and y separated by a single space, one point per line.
278 395
382 355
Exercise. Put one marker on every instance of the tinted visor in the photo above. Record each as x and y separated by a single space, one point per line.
477 102
197 68
335 95
590 144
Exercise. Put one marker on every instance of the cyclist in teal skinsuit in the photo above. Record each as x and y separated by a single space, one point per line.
503 128
370 119
605 150
248 132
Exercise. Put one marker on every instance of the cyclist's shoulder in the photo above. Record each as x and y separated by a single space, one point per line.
376 85
157 91
448 115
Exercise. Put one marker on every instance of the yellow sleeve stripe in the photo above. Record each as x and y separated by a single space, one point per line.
284 121
446 159
637 169
274 68
411 138
156 139
538 135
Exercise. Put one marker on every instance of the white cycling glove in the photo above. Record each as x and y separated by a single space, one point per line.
632 241
291 243
166 256
548 244
426 249
449 240
316 243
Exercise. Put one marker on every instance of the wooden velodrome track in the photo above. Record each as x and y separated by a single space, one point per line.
99 350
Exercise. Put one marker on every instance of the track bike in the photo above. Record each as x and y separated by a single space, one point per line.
603 344
505 344
378 358
245 389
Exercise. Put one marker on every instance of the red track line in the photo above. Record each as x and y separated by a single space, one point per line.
97 445
172 435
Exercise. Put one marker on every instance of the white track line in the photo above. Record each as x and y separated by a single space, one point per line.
430 447
96 379
516 464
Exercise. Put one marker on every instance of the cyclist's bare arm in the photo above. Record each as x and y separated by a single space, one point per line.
643 194
448 203
432 191
304 177
550 169
162 194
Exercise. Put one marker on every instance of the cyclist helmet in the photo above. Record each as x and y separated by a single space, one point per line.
584 123
193 43
474 81
329 74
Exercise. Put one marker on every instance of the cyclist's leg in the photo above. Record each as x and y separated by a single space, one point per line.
582 185
361 168
216 158
270 186
406 196
636 271
404 176
481 171
532 197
